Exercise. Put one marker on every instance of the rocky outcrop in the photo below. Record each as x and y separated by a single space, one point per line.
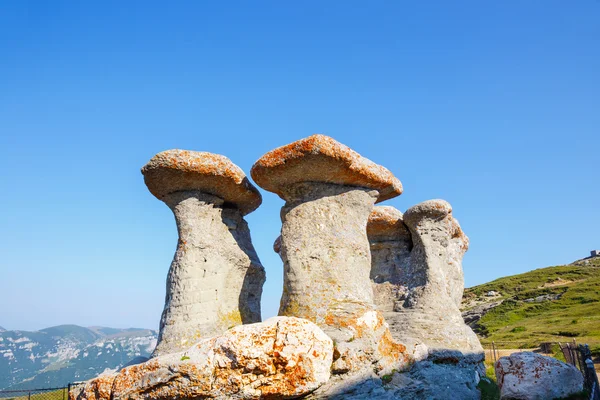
530 376
329 192
474 314
417 278
427 309
283 357
215 280
351 271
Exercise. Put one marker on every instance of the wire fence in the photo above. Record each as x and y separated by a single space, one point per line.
60 393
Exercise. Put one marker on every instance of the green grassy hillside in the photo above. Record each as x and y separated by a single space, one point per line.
555 304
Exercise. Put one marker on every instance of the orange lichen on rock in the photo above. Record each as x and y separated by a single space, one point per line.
319 158
180 170
280 358
385 221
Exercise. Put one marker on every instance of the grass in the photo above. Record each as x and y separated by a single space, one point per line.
575 315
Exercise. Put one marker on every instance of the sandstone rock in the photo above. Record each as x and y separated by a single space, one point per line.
530 376
319 158
215 280
283 357
390 245
330 191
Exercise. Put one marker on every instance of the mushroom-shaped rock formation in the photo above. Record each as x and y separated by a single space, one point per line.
280 358
428 312
329 192
390 253
215 280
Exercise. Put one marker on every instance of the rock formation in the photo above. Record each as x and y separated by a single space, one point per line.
418 283
282 357
329 192
215 280
349 270
530 376
428 284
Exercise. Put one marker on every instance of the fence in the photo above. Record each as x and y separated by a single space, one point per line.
61 393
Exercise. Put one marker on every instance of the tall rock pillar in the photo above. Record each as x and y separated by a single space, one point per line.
329 192
215 280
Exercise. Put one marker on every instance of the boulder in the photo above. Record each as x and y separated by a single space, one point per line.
530 376
283 357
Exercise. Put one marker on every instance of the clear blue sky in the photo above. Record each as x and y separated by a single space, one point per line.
491 105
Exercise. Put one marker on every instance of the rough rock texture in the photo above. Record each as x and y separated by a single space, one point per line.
215 280
319 158
530 376
326 258
390 245
428 309
417 278
281 358
426 380
176 170
329 191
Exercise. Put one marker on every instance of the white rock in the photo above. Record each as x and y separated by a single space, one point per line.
530 376
283 356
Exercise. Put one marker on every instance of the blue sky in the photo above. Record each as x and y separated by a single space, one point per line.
493 106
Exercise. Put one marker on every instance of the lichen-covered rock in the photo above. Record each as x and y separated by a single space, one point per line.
319 158
215 280
530 376
329 192
181 170
283 357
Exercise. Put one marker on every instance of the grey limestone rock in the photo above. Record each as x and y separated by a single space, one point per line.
215 280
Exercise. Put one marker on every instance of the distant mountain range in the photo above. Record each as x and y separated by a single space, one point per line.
58 355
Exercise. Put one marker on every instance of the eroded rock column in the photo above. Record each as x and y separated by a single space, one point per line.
329 192
428 310
215 280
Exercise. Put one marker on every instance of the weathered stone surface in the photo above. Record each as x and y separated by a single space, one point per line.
427 310
182 170
390 244
530 376
281 358
330 191
326 274
319 158
215 280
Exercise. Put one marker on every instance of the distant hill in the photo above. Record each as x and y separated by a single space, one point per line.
58 355
2 329
554 304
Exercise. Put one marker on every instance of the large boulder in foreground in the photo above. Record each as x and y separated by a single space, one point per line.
283 357
530 376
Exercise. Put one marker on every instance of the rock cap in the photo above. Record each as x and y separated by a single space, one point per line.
430 209
436 209
319 158
385 221
178 170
